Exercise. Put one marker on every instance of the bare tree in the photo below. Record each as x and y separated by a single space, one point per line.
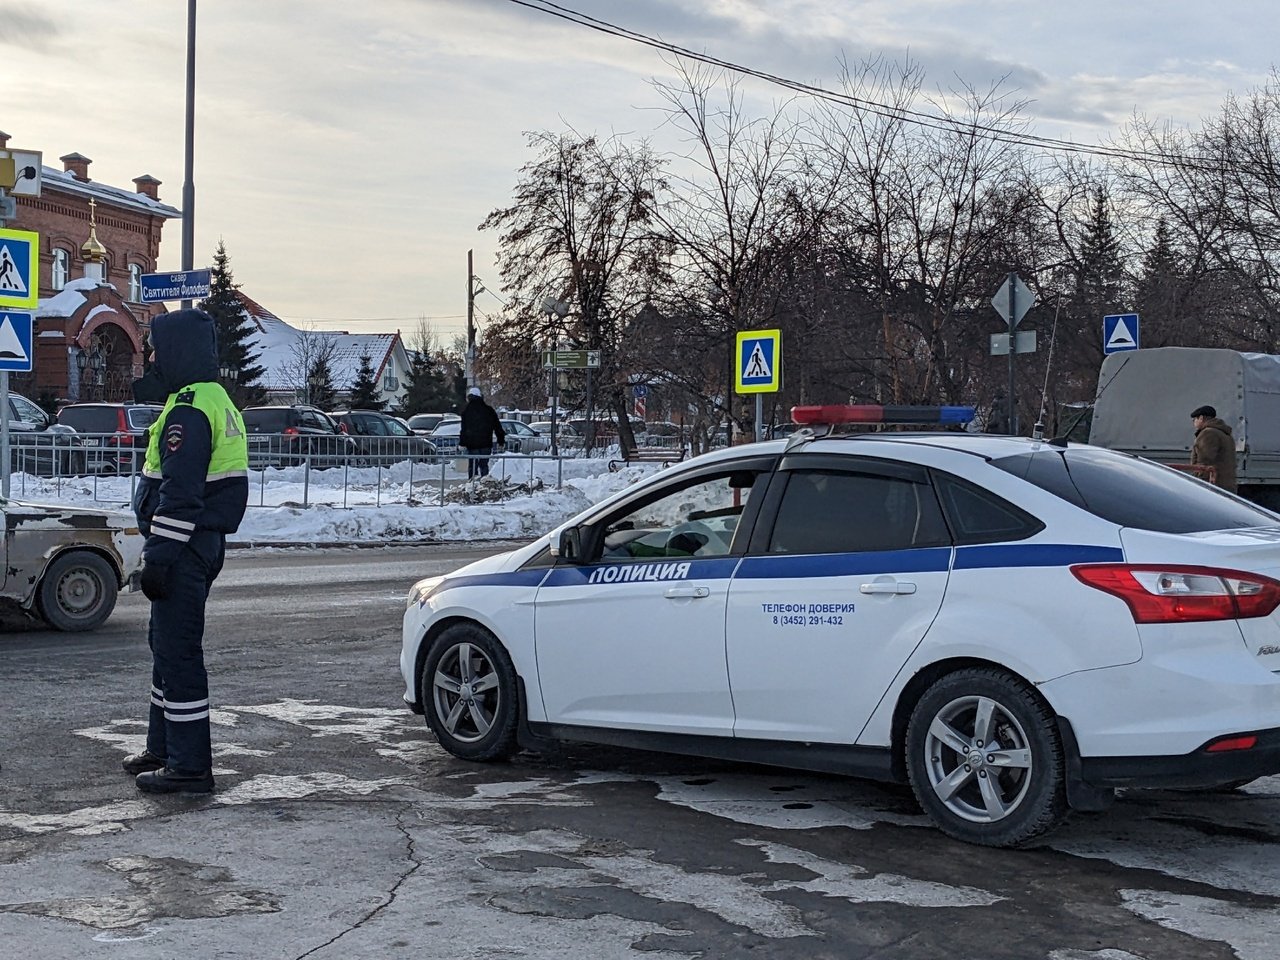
310 352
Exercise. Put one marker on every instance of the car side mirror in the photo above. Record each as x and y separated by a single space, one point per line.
570 548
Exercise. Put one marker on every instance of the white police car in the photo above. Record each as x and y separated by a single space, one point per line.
1014 627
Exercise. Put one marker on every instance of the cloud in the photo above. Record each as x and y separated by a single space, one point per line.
24 25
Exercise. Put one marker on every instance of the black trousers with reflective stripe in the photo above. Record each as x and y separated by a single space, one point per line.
178 727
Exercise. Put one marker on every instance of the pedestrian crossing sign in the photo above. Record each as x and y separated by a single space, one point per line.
15 341
759 367
19 269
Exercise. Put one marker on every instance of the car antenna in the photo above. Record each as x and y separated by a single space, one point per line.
1037 432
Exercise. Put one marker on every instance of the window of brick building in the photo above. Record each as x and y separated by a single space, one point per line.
135 283
61 269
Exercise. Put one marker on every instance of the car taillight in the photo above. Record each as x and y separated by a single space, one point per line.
1183 594
290 431
1246 741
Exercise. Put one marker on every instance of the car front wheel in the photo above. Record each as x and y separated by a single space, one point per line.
985 759
469 694
77 592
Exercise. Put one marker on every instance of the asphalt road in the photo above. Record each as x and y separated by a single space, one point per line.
340 830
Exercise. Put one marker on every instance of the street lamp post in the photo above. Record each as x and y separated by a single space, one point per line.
188 184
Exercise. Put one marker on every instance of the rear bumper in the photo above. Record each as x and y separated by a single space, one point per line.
1199 768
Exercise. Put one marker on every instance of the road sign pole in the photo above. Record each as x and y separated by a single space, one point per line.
1012 284
4 434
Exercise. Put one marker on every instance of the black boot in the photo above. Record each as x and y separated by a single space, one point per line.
137 763
165 780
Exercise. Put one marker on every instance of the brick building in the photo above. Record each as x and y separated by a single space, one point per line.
96 241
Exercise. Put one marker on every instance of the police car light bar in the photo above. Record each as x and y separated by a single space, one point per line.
875 413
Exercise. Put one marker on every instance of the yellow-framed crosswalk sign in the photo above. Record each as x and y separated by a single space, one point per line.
758 363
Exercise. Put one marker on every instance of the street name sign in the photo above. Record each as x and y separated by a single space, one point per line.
19 268
572 359
759 362
183 285
1120 333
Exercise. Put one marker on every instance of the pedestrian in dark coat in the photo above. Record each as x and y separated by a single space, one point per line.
192 493
480 425
1214 446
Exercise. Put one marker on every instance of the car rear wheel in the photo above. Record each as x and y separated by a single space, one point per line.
985 759
469 694
77 592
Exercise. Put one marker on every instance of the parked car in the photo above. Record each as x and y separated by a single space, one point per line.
1014 628
289 435
445 436
564 429
382 438
38 444
522 438
423 423
113 435
67 564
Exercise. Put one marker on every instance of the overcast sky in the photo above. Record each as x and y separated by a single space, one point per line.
346 152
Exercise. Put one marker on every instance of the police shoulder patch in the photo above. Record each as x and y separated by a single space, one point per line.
173 436
186 396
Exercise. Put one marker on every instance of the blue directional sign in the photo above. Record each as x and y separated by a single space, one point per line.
1120 332
183 285
640 390
759 367
15 341
19 268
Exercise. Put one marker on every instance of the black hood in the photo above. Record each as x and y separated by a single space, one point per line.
186 352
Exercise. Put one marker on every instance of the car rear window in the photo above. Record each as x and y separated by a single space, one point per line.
266 420
90 419
1133 492
142 417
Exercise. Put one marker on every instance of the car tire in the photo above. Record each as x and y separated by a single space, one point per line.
77 592
471 722
997 798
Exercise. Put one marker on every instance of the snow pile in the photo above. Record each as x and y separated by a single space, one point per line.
369 508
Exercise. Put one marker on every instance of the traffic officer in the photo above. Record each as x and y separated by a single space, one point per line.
193 492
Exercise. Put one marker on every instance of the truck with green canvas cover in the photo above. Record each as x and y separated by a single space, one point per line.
1145 398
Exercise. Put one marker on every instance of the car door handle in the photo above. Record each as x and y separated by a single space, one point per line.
696 593
889 586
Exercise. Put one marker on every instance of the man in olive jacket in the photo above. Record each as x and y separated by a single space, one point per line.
1214 446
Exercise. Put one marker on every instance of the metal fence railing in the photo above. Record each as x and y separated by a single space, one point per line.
346 471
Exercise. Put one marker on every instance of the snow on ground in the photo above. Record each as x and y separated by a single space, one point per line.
368 505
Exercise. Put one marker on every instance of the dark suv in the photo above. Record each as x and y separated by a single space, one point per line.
113 435
382 438
286 436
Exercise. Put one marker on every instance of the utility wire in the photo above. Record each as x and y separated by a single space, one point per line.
931 121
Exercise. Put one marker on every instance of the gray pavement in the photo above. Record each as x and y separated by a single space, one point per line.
340 830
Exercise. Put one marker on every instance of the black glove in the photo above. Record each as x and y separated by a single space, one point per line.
155 580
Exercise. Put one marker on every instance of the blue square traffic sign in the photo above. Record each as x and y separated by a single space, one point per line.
759 361
1120 332
19 268
15 341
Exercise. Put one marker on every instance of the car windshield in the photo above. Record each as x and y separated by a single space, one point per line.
1132 492
450 429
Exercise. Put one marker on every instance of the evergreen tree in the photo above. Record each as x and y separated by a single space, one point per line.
234 329
428 387
1100 279
364 389
321 391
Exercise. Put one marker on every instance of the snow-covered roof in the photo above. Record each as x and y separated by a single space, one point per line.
277 344
120 197
67 300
